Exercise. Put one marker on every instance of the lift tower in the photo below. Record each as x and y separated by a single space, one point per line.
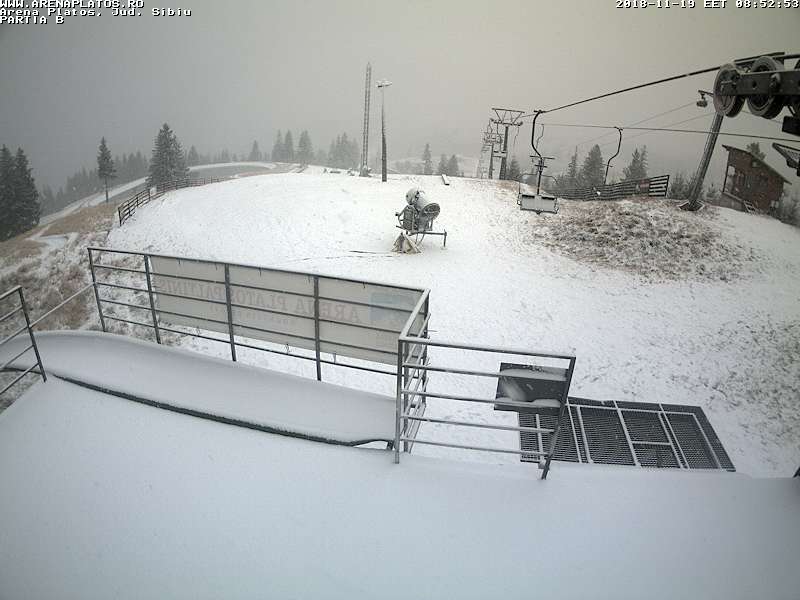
364 172
506 117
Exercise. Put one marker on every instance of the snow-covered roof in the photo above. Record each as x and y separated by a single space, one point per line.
103 497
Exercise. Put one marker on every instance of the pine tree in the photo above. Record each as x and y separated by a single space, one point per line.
28 207
48 200
255 153
637 169
7 220
754 149
513 173
105 165
571 177
278 148
592 171
288 147
305 151
19 198
168 161
452 166
193 159
427 161
680 187
442 168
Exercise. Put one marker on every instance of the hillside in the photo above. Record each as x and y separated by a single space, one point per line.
689 308
657 304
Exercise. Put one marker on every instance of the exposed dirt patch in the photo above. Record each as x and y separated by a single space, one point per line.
650 237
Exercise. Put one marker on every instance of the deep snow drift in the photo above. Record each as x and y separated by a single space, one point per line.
731 346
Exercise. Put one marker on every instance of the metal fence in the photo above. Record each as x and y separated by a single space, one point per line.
127 209
20 309
652 187
412 395
142 275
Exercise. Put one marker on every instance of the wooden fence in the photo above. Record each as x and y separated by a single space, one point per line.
126 209
652 187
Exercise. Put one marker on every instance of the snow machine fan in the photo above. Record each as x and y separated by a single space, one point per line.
416 221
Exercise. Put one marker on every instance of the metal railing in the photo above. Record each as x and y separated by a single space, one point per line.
157 318
127 209
412 395
22 308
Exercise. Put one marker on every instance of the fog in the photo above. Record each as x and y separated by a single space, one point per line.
234 72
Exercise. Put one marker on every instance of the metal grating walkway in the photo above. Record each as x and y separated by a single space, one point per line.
627 433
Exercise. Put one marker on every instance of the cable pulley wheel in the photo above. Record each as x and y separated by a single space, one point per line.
727 105
768 106
794 101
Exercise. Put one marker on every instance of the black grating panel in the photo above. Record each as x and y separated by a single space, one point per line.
528 441
618 433
661 436
644 426
691 442
724 460
578 433
605 436
656 455
565 446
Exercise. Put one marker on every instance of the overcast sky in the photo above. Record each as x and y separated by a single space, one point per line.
233 72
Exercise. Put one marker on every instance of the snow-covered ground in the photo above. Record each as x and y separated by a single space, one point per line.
106 498
120 192
731 346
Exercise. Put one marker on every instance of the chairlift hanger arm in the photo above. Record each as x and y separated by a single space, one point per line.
619 147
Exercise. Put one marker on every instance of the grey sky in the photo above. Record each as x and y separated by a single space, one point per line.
237 71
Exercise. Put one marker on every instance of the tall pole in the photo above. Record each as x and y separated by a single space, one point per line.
505 154
365 131
700 175
382 85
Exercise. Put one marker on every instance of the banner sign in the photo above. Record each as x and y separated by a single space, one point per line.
356 319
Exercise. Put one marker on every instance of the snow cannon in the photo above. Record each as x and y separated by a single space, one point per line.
416 221
419 213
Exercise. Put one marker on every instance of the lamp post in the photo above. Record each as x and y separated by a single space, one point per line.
382 85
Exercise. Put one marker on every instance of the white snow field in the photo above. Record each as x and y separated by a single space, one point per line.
724 333
102 498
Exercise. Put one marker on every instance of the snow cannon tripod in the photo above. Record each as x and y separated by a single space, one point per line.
416 221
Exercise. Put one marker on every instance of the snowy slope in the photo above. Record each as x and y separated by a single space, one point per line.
106 498
729 346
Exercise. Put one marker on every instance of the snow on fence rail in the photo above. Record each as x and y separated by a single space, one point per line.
652 187
126 209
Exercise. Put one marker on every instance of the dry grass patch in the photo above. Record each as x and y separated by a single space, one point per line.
21 247
87 220
650 237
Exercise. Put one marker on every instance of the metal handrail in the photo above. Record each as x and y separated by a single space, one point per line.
93 249
232 304
407 370
29 328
